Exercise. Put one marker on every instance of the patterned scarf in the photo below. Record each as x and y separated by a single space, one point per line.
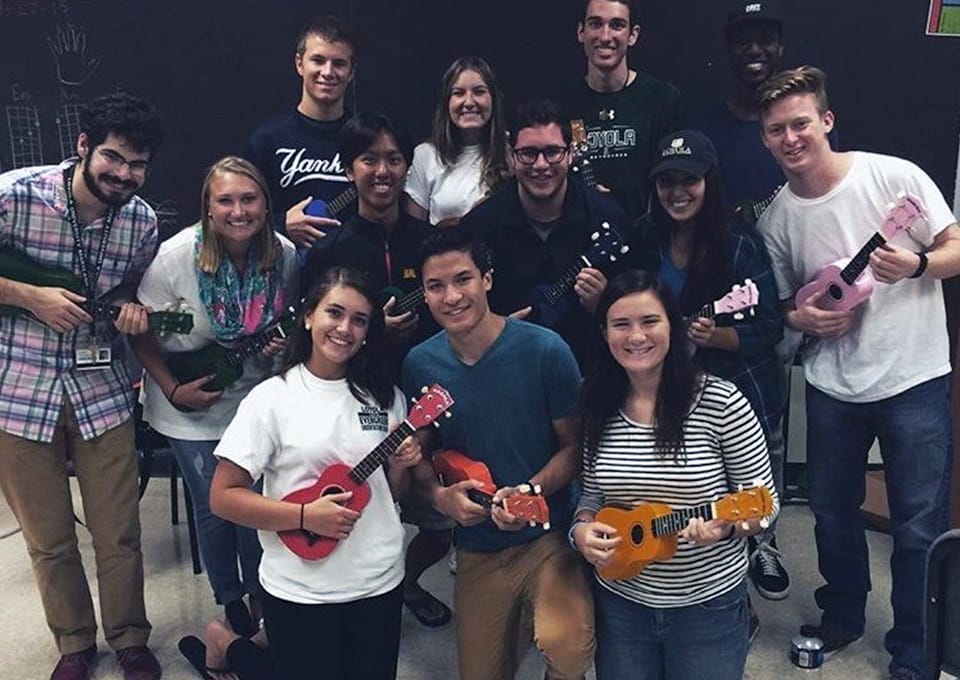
240 305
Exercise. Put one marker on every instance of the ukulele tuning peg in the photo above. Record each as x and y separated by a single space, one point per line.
745 525
738 316
739 487
537 489
624 250
747 282
901 194
447 414
764 523
758 482
890 206
595 236
436 424
423 390
532 523
524 488
546 526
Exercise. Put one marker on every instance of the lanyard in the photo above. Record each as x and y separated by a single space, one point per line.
88 275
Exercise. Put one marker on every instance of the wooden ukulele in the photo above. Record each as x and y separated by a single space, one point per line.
338 478
579 149
846 282
223 362
529 504
649 530
740 299
21 267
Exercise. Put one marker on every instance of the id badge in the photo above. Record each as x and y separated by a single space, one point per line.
93 357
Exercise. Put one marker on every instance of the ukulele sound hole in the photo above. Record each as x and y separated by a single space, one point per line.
835 292
636 534
332 489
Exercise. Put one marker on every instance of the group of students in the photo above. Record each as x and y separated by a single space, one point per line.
619 390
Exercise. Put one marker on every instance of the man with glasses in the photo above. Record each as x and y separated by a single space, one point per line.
64 392
539 224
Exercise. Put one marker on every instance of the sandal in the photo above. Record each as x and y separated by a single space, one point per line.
195 652
428 610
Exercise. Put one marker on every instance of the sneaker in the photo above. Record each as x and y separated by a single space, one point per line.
766 570
76 666
452 561
138 663
834 639
905 674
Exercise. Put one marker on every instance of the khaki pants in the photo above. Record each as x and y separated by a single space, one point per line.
34 481
492 588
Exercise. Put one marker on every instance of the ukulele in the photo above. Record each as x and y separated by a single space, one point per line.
529 504
741 298
338 478
20 267
649 530
846 282
406 302
579 149
332 209
749 212
223 362
552 302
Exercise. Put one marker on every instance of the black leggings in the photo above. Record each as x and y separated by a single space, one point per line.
357 640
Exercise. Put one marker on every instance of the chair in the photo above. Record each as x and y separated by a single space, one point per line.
942 618
148 441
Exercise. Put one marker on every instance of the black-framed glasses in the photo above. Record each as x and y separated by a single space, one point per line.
528 155
118 161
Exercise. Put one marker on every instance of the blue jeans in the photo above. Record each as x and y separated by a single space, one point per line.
706 640
220 541
914 430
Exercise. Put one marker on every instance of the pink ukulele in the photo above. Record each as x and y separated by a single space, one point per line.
845 281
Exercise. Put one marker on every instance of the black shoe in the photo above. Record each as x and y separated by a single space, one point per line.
766 570
238 616
427 609
834 639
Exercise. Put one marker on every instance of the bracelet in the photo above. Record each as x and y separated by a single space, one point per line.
922 267
173 392
302 506
574 525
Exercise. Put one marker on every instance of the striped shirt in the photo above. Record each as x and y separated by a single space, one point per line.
725 448
36 363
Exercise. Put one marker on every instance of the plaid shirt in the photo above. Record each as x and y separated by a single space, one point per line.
36 363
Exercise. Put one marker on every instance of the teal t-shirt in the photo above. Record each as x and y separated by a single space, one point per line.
503 410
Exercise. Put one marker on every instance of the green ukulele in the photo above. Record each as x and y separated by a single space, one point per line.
18 266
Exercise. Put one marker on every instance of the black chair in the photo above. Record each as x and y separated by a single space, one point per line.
148 441
942 629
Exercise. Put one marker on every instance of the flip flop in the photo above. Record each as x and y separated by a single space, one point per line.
428 610
195 652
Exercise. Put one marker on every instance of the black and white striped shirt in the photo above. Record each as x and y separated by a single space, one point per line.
725 448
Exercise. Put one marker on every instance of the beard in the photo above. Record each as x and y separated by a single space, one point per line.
93 184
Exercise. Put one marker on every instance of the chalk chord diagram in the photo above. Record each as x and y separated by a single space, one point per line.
26 146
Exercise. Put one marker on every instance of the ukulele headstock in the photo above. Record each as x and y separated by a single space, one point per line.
606 245
425 410
529 506
747 504
900 215
741 298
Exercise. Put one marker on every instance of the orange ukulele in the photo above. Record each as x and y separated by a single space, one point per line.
529 505
338 477
649 530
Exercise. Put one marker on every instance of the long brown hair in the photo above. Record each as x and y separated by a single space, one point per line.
446 136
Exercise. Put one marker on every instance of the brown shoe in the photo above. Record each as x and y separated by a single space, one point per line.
76 666
138 663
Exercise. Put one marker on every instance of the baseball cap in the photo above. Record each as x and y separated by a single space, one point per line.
743 11
688 151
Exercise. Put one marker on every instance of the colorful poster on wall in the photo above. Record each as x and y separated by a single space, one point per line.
944 18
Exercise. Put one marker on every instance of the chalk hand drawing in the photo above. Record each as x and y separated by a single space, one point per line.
69 48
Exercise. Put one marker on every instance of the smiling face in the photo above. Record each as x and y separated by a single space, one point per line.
379 174
326 69
112 171
471 103
456 291
637 332
680 194
237 209
338 326
606 33
796 133
754 51
541 181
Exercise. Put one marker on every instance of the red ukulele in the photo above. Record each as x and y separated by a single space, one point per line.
338 478
529 505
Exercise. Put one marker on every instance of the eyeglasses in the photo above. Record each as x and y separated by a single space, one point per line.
528 155
117 161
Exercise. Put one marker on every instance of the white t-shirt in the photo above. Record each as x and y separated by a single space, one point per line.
445 191
288 430
171 280
900 338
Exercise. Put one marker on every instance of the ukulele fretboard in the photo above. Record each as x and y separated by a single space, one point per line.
677 520
337 205
379 455
855 267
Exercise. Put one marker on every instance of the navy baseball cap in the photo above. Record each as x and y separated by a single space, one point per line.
743 11
688 151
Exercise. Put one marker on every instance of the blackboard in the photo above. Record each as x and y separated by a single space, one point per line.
218 69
